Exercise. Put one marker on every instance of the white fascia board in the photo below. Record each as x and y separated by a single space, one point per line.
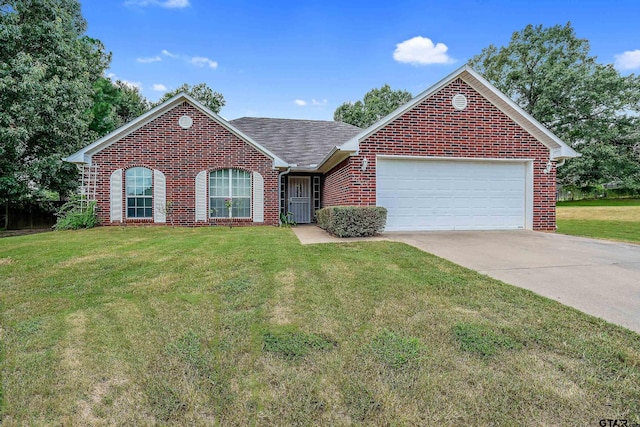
84 155
491 93
517 114
122 131
328 156
77 157
354 143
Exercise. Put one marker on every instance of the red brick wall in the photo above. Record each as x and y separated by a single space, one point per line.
180 154
435 128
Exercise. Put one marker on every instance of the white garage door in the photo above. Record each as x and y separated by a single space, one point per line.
451 195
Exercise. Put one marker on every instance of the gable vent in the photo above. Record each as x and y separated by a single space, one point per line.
459 101
185 122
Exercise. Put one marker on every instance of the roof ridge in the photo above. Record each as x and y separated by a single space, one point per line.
287 119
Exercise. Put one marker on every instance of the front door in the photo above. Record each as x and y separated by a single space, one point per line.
299 198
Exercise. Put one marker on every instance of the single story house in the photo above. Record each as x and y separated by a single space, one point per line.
459 156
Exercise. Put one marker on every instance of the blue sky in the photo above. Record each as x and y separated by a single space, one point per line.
302 59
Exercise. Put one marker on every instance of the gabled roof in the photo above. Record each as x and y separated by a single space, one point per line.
84 155
303 143
559 149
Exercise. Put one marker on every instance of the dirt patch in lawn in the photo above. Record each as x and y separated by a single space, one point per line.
600 213
282 312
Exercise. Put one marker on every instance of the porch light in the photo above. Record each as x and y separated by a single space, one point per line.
365 163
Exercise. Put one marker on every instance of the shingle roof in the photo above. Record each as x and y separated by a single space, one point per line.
304 142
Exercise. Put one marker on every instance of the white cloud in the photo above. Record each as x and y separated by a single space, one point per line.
169 54
132 85
168 4
421 51
175 4
159 87
628 60
314 102
201 61
149 60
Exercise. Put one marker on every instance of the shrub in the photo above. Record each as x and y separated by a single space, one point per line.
352 221
73 215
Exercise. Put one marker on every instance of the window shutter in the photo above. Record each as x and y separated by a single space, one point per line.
115 196
258 197
159 197
201 196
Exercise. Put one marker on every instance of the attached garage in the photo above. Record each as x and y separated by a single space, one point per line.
454 193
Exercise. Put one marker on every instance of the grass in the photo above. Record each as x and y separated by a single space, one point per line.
156 326
614 219
600 202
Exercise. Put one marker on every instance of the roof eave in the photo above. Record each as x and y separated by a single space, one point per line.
517 114
497 98
332 159
84 155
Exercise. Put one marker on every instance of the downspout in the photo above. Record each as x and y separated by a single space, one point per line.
280 175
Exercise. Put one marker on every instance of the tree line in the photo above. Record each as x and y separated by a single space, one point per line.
55 99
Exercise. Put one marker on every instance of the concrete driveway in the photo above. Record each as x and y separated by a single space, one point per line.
597 277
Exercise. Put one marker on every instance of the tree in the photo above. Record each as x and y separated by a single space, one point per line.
201 92
47 69
376 104
114 104
549 72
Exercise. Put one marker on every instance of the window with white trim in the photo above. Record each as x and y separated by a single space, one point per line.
139 191
230 186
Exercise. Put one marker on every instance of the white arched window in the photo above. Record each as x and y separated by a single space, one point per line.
230 186
139 193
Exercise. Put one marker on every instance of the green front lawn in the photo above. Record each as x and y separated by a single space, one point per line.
124 326
615 219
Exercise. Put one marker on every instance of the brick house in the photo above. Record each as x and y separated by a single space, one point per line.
460 155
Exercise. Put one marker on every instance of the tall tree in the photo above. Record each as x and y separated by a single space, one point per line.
114 104
376 104
201 92
550 73
47 69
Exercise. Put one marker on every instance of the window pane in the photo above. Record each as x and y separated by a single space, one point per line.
219 183
241 208
241 183
131 212
217 209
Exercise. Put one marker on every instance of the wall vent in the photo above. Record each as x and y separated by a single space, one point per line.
185 122
459 101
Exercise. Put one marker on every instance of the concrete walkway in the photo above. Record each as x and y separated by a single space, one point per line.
310 234
598 277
